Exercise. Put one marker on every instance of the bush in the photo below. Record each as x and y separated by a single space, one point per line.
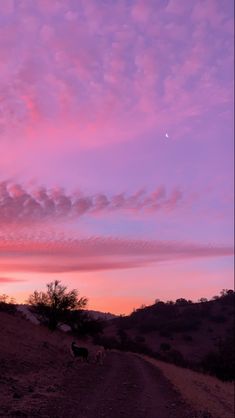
107 342
210 330
227 297
180 324
165 333
187 338
176 357
183 302
221 362
90 326
172 356
7 304
139 339
165 347
83 324
218 319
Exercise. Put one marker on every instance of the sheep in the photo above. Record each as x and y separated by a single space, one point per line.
79 351
99 355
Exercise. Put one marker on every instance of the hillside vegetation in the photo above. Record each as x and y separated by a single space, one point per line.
196 335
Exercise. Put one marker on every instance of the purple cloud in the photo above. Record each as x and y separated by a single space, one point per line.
9 280
20 205
49 254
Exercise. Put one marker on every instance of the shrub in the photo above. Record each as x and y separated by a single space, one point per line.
221 362
82 323
183 302
106 342
210 330
165 346
139 339
218 319
187 338
165 333
7 304
176 357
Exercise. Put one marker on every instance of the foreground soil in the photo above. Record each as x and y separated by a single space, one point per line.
123 387
39 378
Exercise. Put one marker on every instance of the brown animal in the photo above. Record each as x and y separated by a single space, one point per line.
81 352
99 356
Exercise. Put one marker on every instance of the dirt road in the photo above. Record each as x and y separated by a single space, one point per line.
125 386
39 379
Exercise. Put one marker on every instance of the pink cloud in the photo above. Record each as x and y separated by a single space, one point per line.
93 254
7 7
9 280
70 80
178 7
207 11
141 10
23 206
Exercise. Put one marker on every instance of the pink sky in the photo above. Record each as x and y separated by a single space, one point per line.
92 192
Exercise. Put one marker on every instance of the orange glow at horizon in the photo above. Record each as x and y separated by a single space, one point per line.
110 291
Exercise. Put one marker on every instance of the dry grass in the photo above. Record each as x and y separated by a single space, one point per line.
205 393
33 363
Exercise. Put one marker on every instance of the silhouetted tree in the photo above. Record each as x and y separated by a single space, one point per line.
170 302
7 304
6 299
158 301
56 303
202 300
183 302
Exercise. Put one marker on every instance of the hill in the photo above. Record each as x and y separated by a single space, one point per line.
32 316
39 379
197 335
105 316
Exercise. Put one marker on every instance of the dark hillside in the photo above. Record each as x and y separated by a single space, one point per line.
198 335
39 378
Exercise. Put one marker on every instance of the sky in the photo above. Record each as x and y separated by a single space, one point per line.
116 149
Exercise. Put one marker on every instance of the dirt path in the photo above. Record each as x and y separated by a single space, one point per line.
125 386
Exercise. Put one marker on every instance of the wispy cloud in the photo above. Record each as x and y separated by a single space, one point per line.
97 253
9 280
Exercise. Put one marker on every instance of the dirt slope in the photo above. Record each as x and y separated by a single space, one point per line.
38 378
206 393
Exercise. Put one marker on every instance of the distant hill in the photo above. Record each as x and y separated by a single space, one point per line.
25 310
196 335
107 316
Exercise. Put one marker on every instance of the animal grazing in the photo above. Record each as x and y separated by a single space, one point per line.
99 356
81 352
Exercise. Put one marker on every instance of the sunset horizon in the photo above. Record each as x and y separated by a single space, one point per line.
116 149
